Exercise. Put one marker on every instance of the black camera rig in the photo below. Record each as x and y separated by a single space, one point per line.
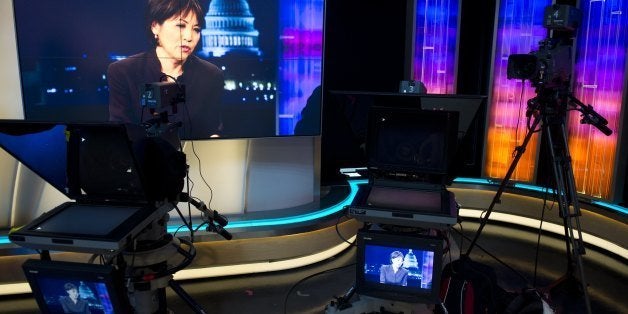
551 65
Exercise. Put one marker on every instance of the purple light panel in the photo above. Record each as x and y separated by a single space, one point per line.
519 30
600 74
301 37
436 32
599 79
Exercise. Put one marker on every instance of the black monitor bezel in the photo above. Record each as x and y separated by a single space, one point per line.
393 292
34 270
449 120
116 234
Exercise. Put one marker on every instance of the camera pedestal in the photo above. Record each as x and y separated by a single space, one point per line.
150 267
366 304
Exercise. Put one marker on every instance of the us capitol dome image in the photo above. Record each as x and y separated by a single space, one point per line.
229 27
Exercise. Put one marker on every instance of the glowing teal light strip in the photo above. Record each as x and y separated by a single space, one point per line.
292 219
541 189
353 184
533 188
473 180
614 207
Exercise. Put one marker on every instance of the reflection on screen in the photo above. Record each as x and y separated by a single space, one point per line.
87 220
410 140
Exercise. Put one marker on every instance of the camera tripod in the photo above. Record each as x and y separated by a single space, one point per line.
548 109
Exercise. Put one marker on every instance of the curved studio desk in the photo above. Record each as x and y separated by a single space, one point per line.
274 240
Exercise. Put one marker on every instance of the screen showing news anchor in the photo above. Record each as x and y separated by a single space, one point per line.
69 287
216 68
398 266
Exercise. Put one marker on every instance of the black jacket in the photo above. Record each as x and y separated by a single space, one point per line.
204 86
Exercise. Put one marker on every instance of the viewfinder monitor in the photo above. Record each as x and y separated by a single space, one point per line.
345 117
68 287
270 61
417 278
108 170
92 161
411 141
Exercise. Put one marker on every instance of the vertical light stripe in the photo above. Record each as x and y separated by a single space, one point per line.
519 30
436 32
599 78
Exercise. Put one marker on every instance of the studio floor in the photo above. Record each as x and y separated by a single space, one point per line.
310 289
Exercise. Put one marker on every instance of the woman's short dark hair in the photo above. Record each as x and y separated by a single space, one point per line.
161 10
395 254
69 286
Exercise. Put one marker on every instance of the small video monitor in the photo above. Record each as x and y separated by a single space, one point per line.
399 267
67 287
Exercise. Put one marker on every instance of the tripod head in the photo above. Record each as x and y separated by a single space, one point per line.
556 103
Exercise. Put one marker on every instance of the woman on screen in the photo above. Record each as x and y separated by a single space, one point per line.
72 303
394 273
174 27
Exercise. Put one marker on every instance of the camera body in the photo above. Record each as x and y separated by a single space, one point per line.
551 65
162 95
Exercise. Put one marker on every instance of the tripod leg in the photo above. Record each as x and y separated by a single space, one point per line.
186 297
556 137
520 150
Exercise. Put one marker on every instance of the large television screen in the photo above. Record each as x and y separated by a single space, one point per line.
228 68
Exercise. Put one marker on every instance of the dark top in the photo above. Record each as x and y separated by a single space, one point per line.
389 276
204 86
81 305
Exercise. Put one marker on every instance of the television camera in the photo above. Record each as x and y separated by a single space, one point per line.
549 70
161 98
548 67
551 65
123 181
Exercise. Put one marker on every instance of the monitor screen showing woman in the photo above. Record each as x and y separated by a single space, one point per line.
223 68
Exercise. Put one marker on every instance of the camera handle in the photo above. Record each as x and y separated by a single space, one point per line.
589 116
214 220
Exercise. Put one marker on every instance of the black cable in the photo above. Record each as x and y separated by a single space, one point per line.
340 235
496 259
200 172
188 257
187 224
201 225
189 187
285 303
166 76
519 115
174 234
461 237
538 241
